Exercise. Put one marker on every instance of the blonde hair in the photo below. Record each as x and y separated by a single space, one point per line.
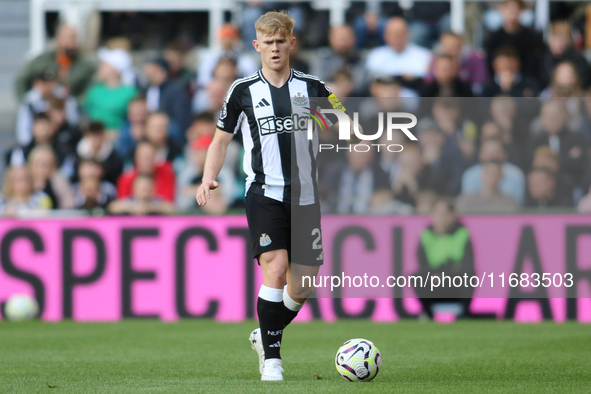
275 22
8 187
119 43
40 149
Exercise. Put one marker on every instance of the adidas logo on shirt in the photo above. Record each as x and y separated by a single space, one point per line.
263 103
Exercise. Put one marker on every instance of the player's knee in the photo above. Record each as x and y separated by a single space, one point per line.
274 266
276 274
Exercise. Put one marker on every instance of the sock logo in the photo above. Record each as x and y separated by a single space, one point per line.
276 344
275 333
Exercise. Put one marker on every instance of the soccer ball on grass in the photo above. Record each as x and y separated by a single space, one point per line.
358 360
21 307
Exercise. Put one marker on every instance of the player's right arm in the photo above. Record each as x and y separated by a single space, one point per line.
216 154
227 125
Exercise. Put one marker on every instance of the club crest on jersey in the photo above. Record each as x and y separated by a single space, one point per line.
265 240
300 100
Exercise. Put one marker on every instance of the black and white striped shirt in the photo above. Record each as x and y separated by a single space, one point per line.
279 159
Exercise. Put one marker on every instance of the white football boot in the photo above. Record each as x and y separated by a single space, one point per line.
273 370
256 343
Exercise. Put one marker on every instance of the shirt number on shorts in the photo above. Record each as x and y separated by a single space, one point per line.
317 244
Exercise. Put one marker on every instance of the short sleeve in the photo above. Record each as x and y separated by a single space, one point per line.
230 113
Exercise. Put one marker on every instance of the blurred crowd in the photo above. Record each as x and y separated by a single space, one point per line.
501 128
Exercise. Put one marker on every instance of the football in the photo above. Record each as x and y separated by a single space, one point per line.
358 360
21 307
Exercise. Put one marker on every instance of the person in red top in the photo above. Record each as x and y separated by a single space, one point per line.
145 164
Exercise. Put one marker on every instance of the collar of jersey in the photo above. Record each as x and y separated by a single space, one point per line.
267 82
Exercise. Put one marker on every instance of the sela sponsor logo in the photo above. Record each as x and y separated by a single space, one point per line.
391 120
288 124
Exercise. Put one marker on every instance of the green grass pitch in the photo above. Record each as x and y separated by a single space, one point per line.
208 357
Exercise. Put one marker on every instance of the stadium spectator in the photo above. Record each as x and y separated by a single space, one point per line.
489 199
93 169
18 197
43 134
369 27
446 81
399 57
514 129
203 124
413 176
513 182
37 100
445 246
472 65
546 159
442 155
528 43
542 191
134 130
176 56
143 200
157 133
342 84
350 185
570 147
107 99
230 48
129 75
75 70
212 97
459 130
89 195
508 78
67 135
565 82
339 56
165 95
491 130
145 164
560 49
48 179
94 145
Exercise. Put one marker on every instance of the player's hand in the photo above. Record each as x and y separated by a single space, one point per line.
203 191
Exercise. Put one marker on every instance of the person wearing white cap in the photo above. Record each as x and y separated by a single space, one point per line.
107 99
